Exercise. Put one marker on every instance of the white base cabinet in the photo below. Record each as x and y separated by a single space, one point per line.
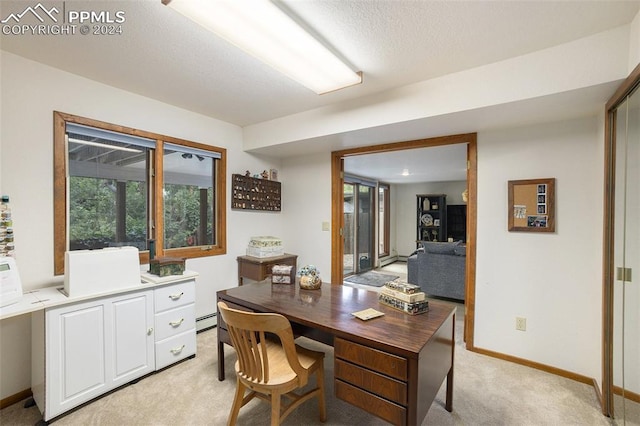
83 350
93 347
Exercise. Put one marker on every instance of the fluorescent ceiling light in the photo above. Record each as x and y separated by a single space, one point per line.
264 31
103 145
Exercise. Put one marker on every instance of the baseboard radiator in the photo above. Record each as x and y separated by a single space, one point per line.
388 260
206 322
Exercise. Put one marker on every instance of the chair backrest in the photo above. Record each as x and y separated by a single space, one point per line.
248 335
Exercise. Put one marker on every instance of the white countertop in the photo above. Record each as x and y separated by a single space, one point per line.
42 298
155 279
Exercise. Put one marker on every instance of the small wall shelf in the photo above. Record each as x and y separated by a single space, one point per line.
255 194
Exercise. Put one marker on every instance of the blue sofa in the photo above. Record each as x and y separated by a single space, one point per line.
439 269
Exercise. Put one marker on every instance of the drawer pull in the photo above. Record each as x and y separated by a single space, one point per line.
176 351
176 323
175 296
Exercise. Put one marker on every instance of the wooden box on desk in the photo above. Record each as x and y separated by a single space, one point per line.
164 266
283 274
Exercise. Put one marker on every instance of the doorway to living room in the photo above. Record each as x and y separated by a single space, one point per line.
338 205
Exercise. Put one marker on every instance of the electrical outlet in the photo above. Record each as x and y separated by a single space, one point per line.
521 324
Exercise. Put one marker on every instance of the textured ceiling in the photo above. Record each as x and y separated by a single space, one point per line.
165 56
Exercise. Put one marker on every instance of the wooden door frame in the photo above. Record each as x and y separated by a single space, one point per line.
337 210
608 266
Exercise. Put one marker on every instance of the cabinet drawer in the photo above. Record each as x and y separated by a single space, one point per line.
172 296
373 359
393 413
175 321
175 348
371 381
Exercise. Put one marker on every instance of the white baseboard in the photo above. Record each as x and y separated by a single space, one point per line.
387 260
206 322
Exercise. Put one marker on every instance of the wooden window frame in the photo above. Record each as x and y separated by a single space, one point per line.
60 222
387 218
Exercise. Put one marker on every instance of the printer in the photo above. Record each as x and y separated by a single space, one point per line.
11 286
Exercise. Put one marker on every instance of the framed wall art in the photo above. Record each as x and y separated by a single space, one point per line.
532 205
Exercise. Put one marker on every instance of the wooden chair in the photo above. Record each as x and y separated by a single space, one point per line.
268 368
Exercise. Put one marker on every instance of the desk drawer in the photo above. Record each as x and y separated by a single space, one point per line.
384 386
393 413
255 271
175 321
373 359
173 296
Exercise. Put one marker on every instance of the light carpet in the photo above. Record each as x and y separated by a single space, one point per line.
487 391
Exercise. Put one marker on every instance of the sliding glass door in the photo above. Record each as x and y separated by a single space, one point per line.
365 227
349 228
359 226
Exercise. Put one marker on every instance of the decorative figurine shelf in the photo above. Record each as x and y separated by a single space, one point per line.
255 194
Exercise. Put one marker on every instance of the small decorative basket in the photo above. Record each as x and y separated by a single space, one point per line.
309 278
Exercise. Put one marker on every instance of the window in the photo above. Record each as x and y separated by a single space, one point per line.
116 186
187 193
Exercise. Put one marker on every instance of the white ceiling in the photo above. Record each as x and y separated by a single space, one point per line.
164 56
434 164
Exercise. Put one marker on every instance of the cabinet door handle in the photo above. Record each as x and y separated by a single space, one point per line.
176 296
176 351
176 323
149 331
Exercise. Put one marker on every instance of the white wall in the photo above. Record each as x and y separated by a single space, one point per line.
405 218
634 43
553 280
30 94
306 204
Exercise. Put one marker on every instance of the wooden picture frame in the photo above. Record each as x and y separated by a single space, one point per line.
532 205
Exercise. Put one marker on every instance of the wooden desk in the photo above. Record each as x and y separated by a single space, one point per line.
391 366
258 269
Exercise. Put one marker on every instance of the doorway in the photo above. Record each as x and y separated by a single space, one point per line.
337 213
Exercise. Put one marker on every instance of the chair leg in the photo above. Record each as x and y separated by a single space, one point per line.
275 409
237 404
321 401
